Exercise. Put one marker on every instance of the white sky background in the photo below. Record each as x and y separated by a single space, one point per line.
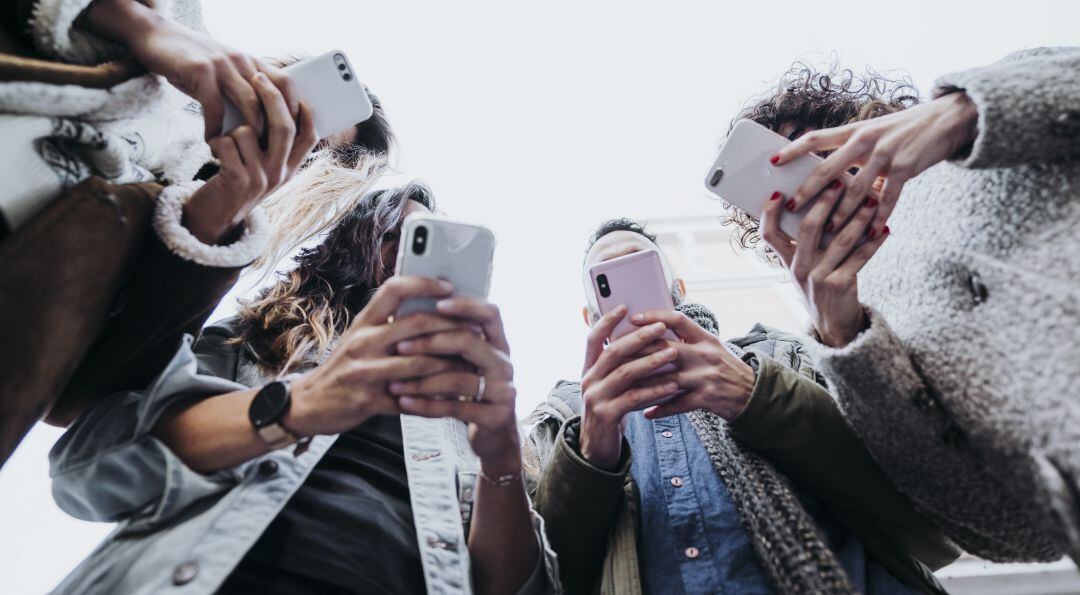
540 121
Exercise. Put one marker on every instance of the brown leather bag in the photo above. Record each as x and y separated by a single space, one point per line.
91 301
58 276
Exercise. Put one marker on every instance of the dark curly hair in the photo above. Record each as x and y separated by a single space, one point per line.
617 224
807 98
304 312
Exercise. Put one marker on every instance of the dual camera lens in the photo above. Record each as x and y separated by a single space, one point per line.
343 67
419 242
602 284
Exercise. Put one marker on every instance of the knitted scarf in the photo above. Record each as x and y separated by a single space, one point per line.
787 542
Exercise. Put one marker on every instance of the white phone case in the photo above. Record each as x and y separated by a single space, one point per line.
460 253
743 176
330 87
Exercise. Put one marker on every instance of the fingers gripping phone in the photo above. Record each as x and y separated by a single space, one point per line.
637 281
743 176
432 246
330 87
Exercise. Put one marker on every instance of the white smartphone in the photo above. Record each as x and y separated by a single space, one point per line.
743 176
433 246
330 87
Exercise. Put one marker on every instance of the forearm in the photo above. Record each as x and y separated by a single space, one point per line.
915 442
502 543
214 433
117 20
794 422
1026 107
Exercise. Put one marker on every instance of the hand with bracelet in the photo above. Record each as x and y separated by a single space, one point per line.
501 539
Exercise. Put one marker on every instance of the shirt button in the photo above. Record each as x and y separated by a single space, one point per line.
677 482
185 573
666 434
268 467
691 552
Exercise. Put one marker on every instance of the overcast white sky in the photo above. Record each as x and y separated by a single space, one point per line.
541 120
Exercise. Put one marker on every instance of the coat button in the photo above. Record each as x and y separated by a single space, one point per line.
268 467
118 305
954 436
978 289
922 399
185 573
1066 124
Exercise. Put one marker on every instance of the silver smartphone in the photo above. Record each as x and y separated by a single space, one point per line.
433 246
330 87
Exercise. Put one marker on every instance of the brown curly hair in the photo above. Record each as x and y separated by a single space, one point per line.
302 314
808 98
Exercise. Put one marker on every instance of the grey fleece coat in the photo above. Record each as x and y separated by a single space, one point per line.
966 386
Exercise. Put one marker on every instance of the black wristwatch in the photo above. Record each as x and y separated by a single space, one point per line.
267 410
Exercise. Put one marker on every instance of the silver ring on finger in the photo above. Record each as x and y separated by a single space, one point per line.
479 398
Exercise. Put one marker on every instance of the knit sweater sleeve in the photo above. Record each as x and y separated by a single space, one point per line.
1027 104
897 415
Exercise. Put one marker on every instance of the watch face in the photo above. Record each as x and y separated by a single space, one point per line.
269 405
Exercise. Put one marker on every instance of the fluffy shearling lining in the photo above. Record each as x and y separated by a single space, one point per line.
167 216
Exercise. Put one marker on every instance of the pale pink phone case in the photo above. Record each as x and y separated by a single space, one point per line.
636 281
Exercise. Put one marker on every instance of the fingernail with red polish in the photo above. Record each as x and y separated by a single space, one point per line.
871 234
871 202
774 159
885 230
776 196
829 227
835 184
790 204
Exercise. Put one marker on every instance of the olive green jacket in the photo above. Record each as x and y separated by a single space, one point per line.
592 515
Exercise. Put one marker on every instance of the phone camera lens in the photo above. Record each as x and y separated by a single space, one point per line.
419 243
341 66
602 284
347 76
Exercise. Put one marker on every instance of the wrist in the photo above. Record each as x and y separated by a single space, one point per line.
121 20
600 444
502 465
209 218
964 121
296 420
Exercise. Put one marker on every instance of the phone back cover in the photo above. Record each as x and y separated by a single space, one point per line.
749 179
457 252
636 280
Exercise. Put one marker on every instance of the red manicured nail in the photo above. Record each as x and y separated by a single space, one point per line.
776 196
871 234
885 230
774 159
790 204
829 227
871 202
835 184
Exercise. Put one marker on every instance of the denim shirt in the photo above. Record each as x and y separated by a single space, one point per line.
183 532
692 539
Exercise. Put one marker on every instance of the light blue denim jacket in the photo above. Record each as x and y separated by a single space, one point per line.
183 532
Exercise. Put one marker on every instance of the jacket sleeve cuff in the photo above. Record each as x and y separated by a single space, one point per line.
577 468
180 241
754 422
1025 107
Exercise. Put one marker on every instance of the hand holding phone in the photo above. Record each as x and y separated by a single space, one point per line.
329 86
745 176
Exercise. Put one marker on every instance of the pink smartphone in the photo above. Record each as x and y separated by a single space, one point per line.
743 176
636 281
